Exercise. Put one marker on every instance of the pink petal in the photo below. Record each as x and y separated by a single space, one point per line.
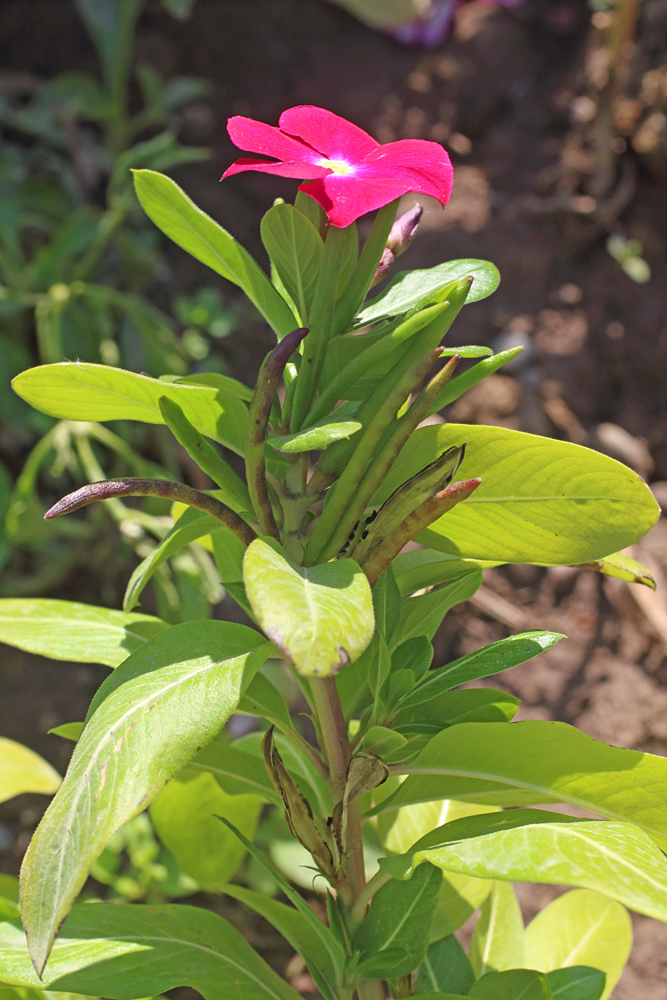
258 137
300 169
334 137
346 198
423 167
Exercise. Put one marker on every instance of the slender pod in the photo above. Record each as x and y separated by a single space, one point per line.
426 514
345 505
395 438
260 410
164 488
367 359
336 457
407 498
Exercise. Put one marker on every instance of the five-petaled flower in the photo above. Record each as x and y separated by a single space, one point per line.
345 170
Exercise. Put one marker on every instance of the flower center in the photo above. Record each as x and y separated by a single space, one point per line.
338 166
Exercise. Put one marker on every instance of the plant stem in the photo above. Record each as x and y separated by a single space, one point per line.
332 732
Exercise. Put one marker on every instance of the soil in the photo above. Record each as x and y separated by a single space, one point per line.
550 162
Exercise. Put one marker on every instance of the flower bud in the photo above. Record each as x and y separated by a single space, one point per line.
404 230
400 237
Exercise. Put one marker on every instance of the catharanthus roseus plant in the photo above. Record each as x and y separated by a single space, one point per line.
408 799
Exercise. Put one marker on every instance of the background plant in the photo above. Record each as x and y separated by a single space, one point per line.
76 262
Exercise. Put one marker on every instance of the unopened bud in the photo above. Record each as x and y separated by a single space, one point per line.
404 230
401 236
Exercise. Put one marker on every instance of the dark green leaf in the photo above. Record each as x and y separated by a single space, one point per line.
387 604
400 918
422 615
514 984
299 932
485 662
446 968
122 951
579 982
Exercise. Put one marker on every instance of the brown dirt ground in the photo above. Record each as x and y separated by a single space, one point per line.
520 99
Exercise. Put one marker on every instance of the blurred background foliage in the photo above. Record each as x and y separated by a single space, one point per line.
78 260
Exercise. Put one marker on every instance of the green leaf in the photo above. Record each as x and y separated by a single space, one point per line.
68 731
411 289
446 967
422 615
375 663
147 720
22 770
455 707
532 845
81 391
581 928
236 772
79 633
120 951
263 698
623 568
179 218
485 662
513 984
296 250
185 818
520 763
381 964
401 828
317 437
231 488
387 604
327 939
497 941
579 982
299 932
458 899
423 568
400 919
541 501
190 526
321 618
415 655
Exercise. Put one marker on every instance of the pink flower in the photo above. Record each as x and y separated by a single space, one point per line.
346 171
